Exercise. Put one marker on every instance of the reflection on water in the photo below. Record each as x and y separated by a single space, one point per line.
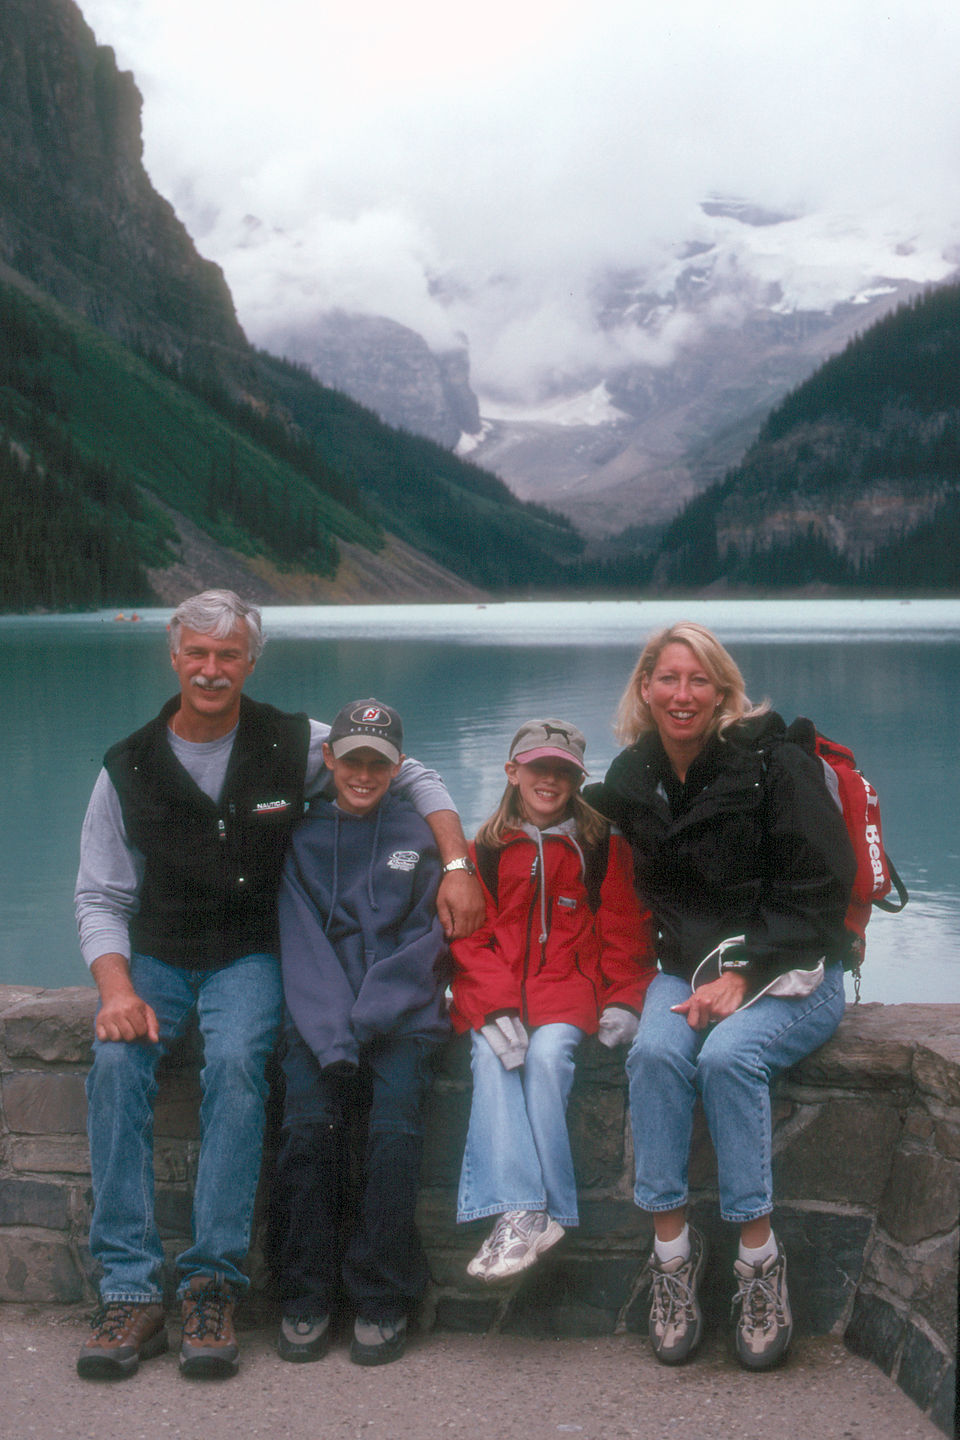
881 676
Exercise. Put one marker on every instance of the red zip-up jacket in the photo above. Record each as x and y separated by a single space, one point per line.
541 950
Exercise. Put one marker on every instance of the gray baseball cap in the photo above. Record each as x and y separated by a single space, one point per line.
548 739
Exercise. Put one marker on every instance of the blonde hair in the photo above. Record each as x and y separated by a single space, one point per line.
509 815
633 719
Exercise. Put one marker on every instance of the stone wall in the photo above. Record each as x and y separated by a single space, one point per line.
867 1172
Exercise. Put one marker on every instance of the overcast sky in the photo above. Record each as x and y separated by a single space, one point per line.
358 155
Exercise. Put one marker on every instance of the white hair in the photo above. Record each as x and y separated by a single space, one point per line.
217 613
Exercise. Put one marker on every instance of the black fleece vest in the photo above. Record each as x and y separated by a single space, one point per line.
209 890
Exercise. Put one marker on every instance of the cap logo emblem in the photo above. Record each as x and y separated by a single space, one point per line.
549 730
370 715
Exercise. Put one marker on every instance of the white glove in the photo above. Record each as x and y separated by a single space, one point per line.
507 1039
618 1025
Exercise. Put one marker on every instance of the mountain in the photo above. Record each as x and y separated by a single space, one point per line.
701 344
146 449
854 479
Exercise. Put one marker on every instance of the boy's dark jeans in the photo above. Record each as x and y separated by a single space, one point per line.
334 1225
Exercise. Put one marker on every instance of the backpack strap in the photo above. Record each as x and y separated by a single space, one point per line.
903 894
488 866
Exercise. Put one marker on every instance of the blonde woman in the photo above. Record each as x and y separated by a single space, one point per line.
743 858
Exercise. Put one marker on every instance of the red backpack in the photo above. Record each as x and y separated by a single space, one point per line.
857 799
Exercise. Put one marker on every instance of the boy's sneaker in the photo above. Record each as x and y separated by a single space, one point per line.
123 1334
303 1337
765 1326
519 1238
378 1342
676 1321
209 1346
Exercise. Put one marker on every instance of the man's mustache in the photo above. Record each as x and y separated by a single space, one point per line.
203 684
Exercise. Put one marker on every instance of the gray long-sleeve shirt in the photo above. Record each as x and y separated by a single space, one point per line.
107 893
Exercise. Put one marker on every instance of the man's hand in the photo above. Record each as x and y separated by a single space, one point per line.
715 1001
460 904
122 1014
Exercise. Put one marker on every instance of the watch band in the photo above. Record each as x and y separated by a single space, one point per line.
463 862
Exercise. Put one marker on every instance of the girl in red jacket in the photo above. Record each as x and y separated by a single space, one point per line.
564 952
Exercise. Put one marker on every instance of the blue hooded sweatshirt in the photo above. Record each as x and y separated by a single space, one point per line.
361 948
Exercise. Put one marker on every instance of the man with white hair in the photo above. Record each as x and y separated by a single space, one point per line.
181 853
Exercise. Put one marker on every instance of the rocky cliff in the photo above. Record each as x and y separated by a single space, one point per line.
78 214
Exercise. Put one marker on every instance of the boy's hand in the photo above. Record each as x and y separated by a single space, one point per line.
460 904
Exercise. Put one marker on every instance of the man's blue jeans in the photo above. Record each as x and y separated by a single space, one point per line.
730 1066
238 1009
517 1155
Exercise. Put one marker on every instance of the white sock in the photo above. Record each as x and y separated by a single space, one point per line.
762 1253
670 1249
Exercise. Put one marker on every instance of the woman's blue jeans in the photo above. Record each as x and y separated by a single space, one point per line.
238 1009
730 1066
517 1155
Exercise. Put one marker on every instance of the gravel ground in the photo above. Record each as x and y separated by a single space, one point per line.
449 1387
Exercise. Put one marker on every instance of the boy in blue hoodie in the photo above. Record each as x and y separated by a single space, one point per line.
362 954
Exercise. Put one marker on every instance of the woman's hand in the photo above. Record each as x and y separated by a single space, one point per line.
713 1002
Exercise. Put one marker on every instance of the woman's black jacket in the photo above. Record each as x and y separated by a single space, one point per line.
753 846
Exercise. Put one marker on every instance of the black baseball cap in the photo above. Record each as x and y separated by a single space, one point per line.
367 723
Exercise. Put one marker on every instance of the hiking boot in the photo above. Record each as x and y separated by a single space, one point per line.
765 1326
518 1240
209 1346
676 1321
123 1333
378 1342
303 1337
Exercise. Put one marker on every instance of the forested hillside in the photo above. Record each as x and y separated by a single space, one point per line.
134 416
854 479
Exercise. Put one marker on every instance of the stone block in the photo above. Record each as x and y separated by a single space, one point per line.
921 1198
922 1367
876 1330
563 1295
615 1221
448 1112
946 1138
173 1210
55 1026
872 1049
50 1154
702 1169
824 1259
839 1151
596 1117
177 1109
944 1409
923 1277
37 1270
37 1103
34 1202
936 1064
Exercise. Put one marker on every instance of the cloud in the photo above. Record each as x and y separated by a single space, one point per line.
476 169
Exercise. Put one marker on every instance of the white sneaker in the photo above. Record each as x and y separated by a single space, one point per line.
519 1238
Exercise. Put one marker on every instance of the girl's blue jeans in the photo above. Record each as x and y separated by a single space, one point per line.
730 1066
517 1155
238 1009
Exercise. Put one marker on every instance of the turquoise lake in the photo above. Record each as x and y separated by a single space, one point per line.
882 676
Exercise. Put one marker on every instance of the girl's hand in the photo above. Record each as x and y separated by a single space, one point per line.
713 1002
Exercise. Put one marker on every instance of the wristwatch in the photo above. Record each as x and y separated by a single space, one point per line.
463 862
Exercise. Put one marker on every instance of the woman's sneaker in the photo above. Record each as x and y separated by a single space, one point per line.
518 1240
303 1338
676 1321
765 1327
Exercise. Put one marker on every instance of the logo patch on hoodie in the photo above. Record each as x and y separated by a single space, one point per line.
403 860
